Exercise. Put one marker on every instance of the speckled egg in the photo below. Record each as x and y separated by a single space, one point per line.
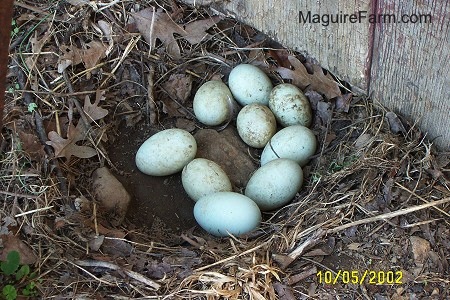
227 212
256 124
213 103
202 177
275 184
295 142
290 106
166 152
249 84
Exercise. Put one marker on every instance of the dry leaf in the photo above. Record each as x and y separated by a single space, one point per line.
93 111
68 147
281 56
284 292
317 81
31 145
162 27
96 242
11 242
324 111
73 56
172 109
343 102
395 123
195 31
179 86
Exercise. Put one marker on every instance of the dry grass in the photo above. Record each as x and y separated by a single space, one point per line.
367 191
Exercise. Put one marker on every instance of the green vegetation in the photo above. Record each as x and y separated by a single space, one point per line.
16 277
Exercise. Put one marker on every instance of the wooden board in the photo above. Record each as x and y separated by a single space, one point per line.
410 66
342 49
404 66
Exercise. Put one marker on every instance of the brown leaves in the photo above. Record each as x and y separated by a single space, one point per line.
31 145
156 24
90 55
11 242
179 87
317 81
68 147
93 111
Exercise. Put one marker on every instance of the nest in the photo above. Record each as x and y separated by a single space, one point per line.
376 196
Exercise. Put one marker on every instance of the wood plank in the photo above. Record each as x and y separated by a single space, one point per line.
341 48
410 67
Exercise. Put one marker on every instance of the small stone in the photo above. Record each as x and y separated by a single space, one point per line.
420 249
111 194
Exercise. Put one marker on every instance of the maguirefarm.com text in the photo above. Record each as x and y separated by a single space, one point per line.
360 17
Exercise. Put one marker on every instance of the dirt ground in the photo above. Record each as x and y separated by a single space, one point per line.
88 82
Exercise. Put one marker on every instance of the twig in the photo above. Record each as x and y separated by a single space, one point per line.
18 194
90 274
85 121
232 257
319 233
108 265
421 198
389 215
33 211
151 107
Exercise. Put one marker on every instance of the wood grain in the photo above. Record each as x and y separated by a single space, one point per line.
341 48
410 66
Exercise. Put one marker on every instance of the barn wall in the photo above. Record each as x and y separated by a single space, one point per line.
410 66
404 66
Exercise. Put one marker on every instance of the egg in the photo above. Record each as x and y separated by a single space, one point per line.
166 152
290 106
227 212
249 84
202 177
213 103
295 142
256 124
275 184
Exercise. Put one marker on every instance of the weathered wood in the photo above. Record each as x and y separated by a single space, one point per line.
410 66
404 66
341 48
